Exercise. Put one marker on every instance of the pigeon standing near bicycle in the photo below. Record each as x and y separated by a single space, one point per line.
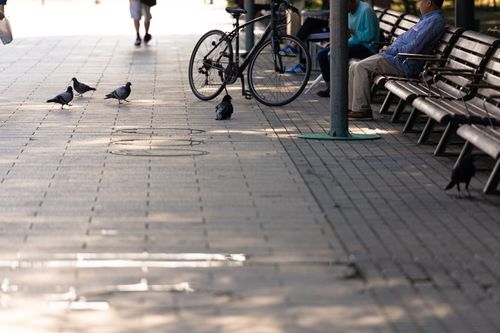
141 9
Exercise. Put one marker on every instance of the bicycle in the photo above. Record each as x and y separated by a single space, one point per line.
213 64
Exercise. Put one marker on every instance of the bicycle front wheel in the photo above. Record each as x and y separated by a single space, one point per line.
209 60
276 77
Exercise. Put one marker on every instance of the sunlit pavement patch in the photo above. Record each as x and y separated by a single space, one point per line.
161 131
72 300
127 260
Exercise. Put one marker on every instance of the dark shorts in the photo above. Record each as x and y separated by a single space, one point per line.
3 2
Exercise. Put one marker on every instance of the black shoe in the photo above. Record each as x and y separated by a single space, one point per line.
324 93
138 41
147 38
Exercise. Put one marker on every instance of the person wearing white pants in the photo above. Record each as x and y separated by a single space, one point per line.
138 10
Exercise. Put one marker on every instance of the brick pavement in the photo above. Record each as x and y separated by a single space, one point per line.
153 217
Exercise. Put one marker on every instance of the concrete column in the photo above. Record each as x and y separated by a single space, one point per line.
339 68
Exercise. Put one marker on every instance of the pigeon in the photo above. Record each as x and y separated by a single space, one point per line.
463 173
81 88
224 109
63 98
120 93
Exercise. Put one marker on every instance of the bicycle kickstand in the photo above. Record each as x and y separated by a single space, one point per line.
244 92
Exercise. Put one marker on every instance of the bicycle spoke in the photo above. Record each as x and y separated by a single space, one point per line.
208 62
273 87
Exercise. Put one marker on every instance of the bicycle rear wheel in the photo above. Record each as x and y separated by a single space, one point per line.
271 75
208 63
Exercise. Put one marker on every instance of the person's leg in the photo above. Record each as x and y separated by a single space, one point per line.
147 22
324 65
137 25
359 51
356 51
361 76
135 13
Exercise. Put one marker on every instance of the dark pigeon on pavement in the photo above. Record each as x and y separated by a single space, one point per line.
224 109
463 173
120 93
81 88
63 98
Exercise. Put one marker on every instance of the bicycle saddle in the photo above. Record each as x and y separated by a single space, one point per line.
236 11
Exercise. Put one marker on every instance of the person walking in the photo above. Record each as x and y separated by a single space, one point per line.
139 9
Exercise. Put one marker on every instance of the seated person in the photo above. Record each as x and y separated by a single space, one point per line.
421 39
363 29
311 25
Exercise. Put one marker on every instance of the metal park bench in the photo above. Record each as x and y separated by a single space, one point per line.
455 97
486 139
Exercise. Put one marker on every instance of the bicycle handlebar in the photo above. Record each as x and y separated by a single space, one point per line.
288 5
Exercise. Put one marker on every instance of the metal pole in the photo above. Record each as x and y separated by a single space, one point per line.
250 15
464 14
339 68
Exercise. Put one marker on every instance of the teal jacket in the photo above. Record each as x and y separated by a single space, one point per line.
365 23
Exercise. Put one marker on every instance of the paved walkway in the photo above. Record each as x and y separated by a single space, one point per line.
153 217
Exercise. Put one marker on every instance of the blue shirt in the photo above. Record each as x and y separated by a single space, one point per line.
421 39
364 22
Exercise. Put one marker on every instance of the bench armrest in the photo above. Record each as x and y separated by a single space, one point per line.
484 85
453 72
423 57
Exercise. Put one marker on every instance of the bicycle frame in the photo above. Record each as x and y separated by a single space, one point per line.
235 35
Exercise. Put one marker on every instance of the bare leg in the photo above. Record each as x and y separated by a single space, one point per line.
137 25
147 36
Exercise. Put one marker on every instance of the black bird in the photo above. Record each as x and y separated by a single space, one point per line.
63 98
81 88
463 173
224 109
120 93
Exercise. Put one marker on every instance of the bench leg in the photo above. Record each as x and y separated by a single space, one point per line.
384 109
410 122
466 150
429 126
493 180
399 110
451 129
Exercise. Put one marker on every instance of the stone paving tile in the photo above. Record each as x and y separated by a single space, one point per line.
71 184
338 237
399 218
